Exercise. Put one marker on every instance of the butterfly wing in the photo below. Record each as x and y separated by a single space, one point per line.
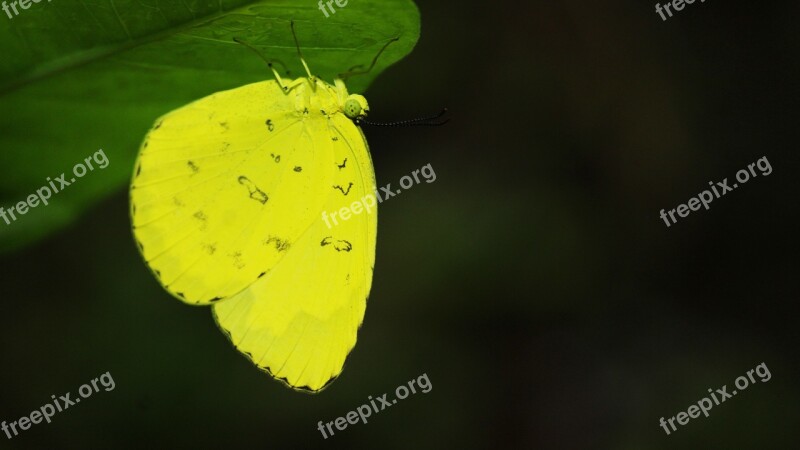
299 322
224 187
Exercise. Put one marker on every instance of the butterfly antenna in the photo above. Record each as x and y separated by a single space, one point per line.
267 60
351 72
300 54
419 122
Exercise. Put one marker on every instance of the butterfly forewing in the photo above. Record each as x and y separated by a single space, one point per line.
223 188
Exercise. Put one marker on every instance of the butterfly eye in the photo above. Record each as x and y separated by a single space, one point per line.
352 108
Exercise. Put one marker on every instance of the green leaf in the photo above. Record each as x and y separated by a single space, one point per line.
76 77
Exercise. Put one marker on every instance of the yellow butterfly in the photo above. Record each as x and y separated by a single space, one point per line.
226 206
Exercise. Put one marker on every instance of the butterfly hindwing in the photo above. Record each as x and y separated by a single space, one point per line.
299 322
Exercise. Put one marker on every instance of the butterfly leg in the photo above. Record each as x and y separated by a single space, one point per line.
288 87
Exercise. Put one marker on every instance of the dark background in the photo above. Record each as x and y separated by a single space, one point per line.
533 282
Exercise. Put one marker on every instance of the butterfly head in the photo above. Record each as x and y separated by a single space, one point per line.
356 107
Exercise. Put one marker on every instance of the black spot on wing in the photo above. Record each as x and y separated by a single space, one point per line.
343 164
270 125
277 158
350 186
343 246
298 169
340 245
193 167
255 193
281 245
237 260
201 217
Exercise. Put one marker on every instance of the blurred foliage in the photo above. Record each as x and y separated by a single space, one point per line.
79 76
